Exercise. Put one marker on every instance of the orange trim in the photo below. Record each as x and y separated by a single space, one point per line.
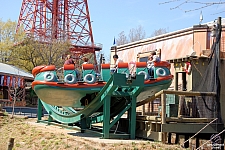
48 68
105 66
36 70
76 85
22 82
85 85
5 80
159 79
141 64
88 66
16 82
162 64
10 82
122 65
69 67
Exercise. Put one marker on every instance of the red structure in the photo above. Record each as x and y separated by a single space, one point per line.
47 20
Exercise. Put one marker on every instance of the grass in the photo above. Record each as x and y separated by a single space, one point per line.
35 137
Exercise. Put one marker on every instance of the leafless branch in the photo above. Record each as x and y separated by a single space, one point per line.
179 5
168 2
218 13
198 8
203 4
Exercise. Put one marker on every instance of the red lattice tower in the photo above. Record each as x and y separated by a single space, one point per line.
47 20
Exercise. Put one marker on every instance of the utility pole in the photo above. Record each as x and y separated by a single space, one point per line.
217 52
219 28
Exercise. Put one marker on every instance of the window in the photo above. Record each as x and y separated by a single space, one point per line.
143 59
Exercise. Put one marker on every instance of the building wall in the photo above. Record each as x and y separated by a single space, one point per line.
178 45
171 47
200 40
8 84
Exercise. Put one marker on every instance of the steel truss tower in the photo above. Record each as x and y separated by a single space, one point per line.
46 20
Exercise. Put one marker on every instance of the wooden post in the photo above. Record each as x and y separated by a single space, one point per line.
176 81
152 106
11 144
186 137
184 81
163 103
1 112
169 138
177 138
163 117
143 109
14 101
197 142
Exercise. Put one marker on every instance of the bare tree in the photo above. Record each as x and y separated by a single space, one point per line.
16 93
159 32
136 34
197 4
122 39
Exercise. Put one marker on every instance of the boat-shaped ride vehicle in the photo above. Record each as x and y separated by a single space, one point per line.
78 89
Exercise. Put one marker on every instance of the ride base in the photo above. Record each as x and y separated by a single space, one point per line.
118 86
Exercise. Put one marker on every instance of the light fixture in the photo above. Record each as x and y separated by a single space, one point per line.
201 18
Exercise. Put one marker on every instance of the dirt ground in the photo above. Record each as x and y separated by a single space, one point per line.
30 135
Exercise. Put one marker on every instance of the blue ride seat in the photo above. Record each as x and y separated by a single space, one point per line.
70 74
141 68
47 73
123 68
88 73
105 72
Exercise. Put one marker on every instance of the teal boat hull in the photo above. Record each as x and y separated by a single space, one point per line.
71 97
59 96
80 93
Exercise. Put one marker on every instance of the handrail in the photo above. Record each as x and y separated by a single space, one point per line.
163 93
186 93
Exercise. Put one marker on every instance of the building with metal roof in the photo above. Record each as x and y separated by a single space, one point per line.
13 83
6 69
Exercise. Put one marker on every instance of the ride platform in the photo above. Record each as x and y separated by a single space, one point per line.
115 98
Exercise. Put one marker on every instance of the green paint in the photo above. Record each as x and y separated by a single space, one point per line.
117 86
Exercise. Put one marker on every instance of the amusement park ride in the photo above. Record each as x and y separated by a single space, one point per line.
64 20
90 96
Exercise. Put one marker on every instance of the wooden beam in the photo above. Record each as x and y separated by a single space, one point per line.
174 119
163 116
186 93
189 93
191 128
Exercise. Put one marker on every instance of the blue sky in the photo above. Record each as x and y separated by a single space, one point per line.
110 17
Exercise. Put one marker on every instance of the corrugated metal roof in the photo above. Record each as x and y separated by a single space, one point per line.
12 70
